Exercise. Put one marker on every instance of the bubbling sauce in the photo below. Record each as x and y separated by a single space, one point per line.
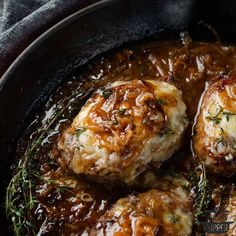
68 205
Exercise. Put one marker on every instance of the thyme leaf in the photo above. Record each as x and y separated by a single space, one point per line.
161 101
215 119
228 114
64 189
203 191
173 219
122 111
220 140
80 130
218 117
106 93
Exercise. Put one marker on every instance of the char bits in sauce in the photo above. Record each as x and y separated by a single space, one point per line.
49 195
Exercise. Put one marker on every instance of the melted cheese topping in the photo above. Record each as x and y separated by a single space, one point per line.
154 212
123 127
122 116
215 141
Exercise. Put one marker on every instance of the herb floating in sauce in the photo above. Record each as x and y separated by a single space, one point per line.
20 198
19 210
190 67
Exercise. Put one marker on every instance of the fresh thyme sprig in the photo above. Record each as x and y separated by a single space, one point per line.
20 200
19 209
202 190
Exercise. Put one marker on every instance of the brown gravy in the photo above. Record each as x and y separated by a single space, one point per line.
66 205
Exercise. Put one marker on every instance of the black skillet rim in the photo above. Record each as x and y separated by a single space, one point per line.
7 74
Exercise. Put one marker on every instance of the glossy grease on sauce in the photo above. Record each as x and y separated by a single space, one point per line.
70 205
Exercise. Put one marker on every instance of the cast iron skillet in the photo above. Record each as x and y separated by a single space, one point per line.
41 68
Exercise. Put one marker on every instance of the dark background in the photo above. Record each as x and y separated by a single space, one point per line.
21 21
